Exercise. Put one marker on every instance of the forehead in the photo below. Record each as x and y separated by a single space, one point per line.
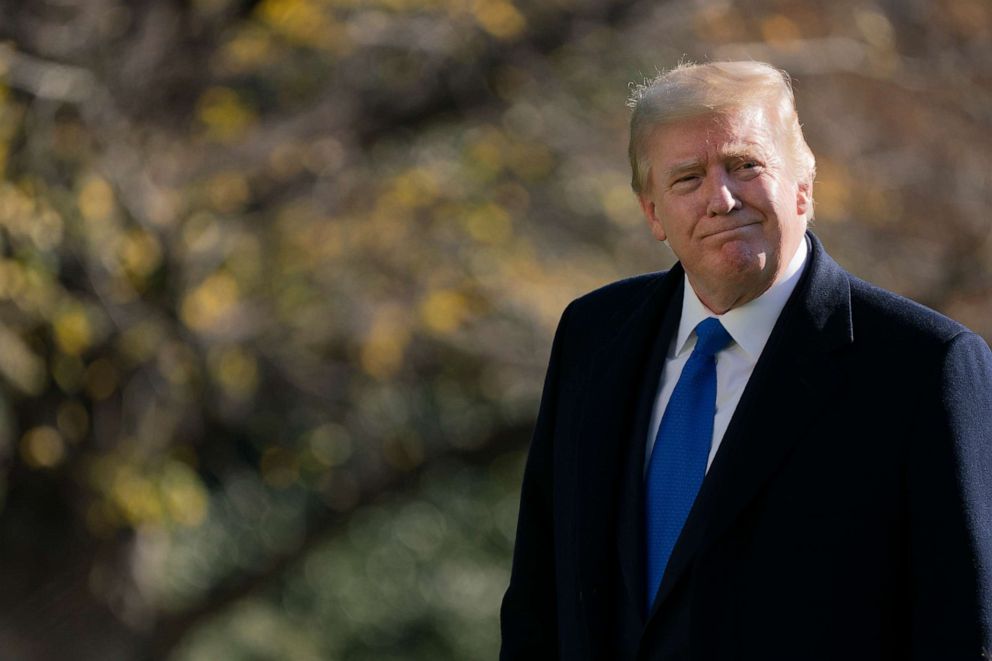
717 134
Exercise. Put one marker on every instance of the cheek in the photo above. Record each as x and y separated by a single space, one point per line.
680 217
783 195
769 191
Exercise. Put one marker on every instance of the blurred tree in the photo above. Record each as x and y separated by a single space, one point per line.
278 278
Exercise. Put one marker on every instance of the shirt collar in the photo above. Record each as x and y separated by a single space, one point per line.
751 324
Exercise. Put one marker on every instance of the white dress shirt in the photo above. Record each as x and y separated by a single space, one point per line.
749 325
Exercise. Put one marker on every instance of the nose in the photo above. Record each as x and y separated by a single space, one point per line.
721 198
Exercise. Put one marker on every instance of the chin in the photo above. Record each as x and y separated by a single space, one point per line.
744 257
747 271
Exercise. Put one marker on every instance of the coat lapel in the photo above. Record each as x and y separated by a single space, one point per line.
630 515
608 529
794 373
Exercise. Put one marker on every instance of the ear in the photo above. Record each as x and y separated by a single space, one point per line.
804 197
654 223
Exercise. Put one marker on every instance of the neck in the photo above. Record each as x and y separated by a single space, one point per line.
720 300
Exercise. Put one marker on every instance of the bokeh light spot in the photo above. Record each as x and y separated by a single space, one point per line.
96 199
385 343
224 114
73 331
208 305
42 447
183 494
498 18
443 311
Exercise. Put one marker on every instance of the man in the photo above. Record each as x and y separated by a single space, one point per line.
754 455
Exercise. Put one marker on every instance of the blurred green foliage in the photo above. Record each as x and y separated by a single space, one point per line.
278 280
411 578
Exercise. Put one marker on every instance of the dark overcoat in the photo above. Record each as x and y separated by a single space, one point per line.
847 514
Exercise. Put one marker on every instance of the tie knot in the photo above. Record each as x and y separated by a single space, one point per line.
711 336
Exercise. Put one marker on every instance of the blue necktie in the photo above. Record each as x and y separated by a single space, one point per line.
681 449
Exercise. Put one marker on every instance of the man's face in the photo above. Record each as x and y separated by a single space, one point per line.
722 192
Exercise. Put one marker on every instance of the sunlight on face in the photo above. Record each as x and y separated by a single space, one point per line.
723 195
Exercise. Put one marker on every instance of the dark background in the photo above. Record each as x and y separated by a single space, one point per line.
278 281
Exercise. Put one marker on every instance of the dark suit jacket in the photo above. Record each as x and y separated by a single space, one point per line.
847 514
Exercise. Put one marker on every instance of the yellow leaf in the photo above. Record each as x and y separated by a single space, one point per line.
531 160
223 113
235 370
250 49
304 22
385 343
42 447
444 311
24 369
73 331
489 224
96 199
620 205
140 253
498 18
209 304
415 188
228 191
488 152
183 494
136 496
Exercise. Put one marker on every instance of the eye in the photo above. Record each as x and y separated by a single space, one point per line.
749 167
686 181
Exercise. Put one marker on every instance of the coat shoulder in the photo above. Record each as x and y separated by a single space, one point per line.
617 298
592 320
897 319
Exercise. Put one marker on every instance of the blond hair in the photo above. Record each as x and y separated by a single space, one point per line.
690 90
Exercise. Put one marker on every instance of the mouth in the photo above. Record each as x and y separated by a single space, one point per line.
731 229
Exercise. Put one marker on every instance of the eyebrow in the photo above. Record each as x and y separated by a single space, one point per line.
730 151
742 149
684 166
